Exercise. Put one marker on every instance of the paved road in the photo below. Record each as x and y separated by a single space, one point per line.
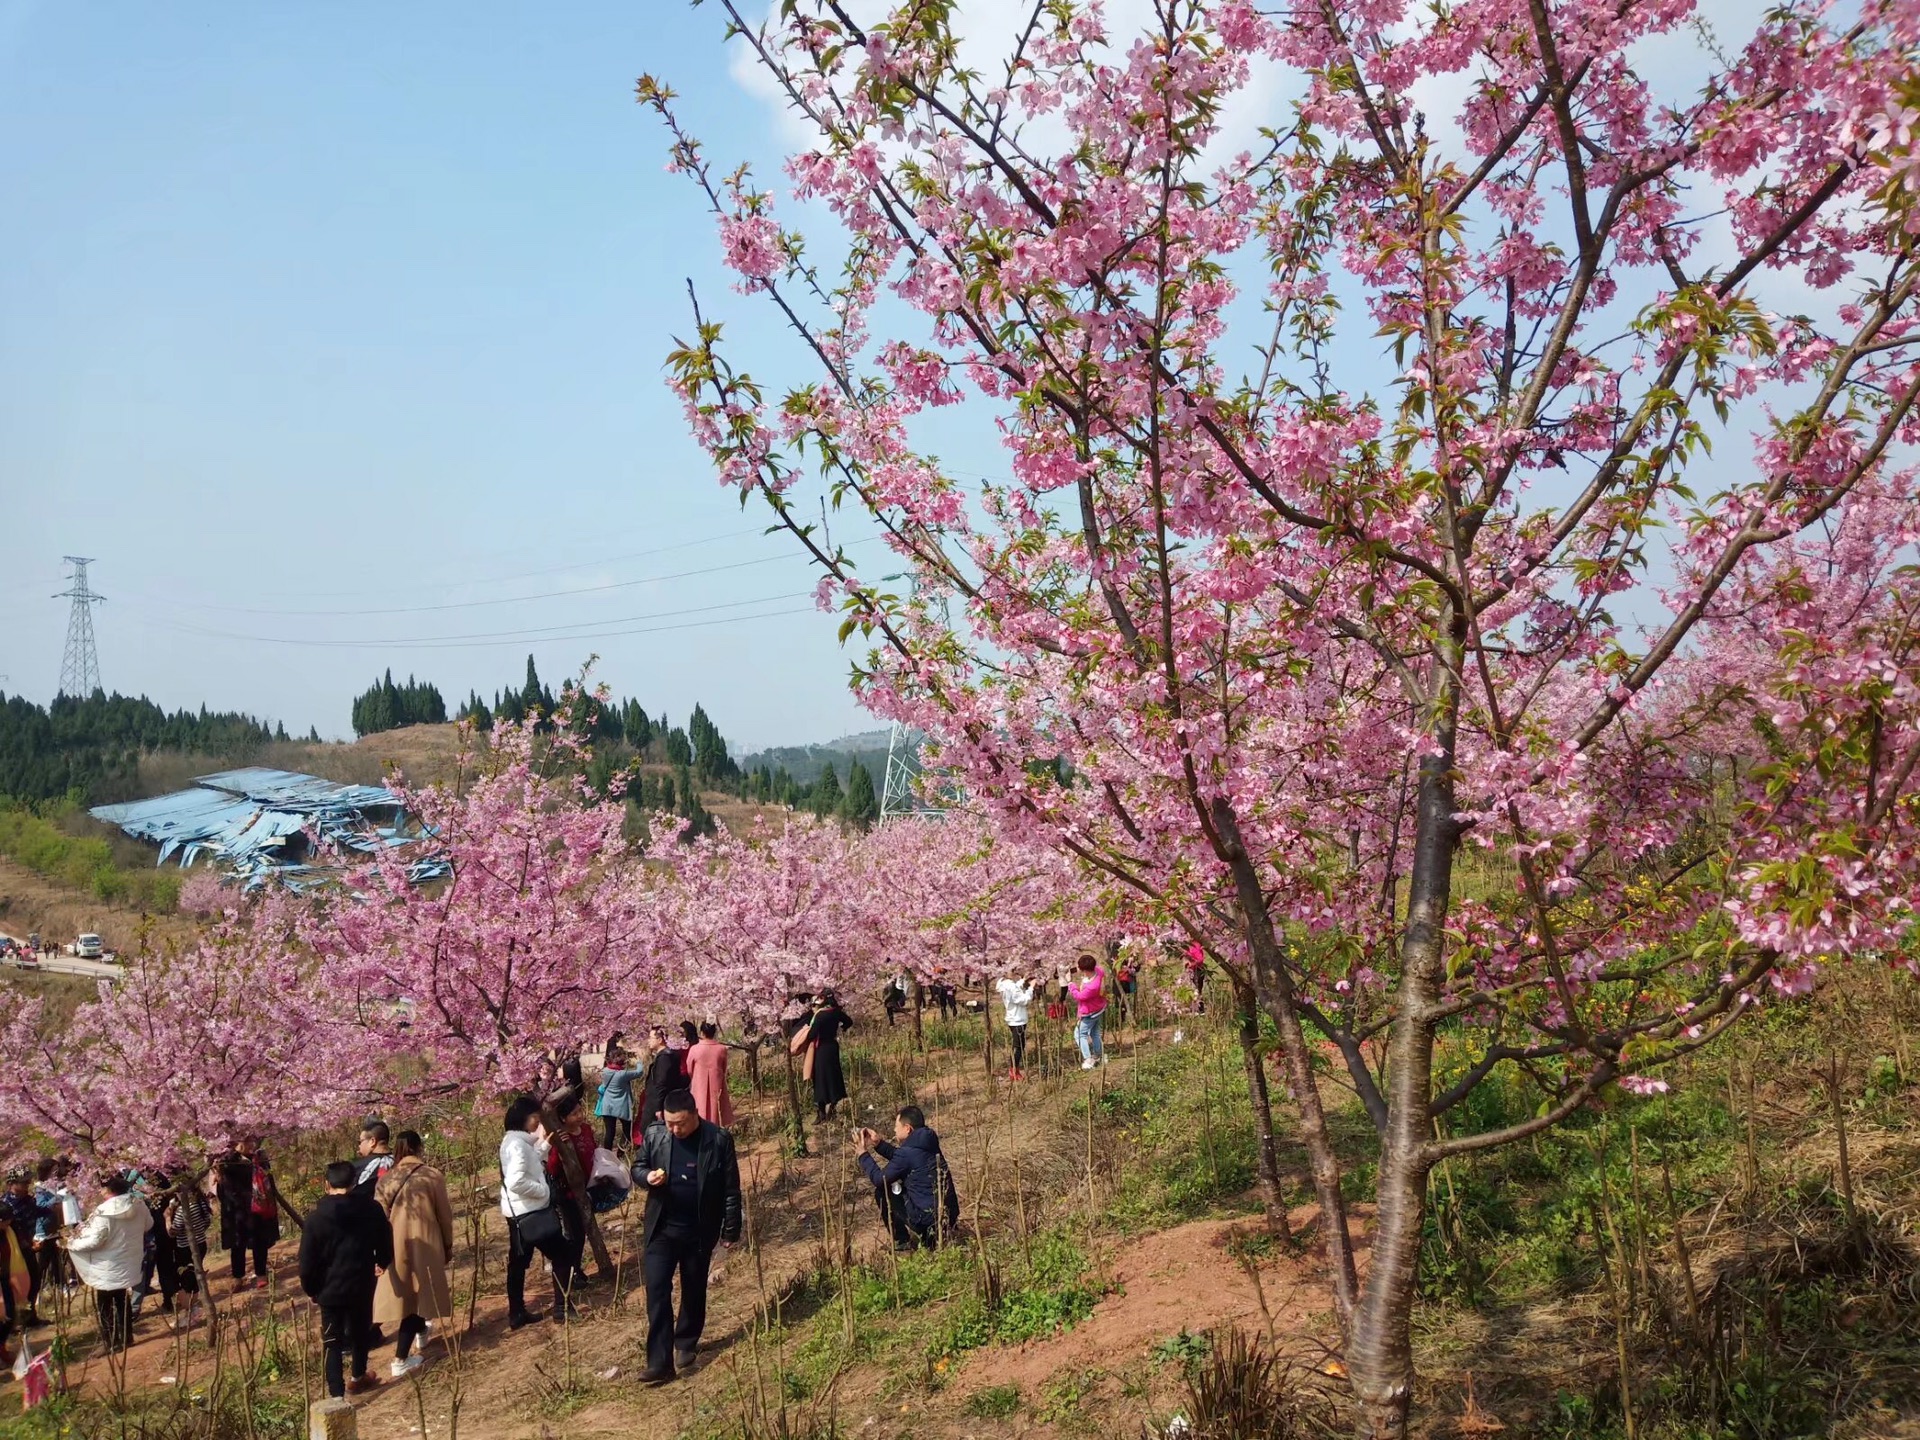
71 965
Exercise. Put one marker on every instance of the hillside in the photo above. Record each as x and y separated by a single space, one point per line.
806 762
1729 1260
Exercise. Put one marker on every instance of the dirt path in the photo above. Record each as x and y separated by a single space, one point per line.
1018 1155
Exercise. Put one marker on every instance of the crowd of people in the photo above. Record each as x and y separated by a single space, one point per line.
376 1250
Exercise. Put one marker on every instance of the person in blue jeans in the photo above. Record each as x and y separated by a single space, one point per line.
1089 991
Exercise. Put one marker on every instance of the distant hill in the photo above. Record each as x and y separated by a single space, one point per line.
805 762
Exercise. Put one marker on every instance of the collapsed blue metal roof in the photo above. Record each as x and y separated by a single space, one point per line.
253 822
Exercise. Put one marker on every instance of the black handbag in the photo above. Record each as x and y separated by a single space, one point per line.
538 1228
535 1229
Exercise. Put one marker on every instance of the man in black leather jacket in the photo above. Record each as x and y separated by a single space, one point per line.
692 1179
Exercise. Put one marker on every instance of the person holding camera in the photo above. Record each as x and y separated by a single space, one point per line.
914 1186
692 1179
1016 997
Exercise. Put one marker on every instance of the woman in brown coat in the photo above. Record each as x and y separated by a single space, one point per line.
414 1288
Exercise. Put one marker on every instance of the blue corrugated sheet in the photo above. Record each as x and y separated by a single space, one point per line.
248 822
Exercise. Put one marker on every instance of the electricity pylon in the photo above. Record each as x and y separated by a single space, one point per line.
80 666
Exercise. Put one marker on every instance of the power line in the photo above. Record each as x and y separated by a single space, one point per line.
501 600
501 579
490 644
580 629
478 604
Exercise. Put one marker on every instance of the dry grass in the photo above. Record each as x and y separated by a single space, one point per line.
62 994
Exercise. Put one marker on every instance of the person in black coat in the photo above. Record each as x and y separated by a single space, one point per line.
914 1187
27 1216
249 1209
346 1239
823 1034
665 1074
692 1179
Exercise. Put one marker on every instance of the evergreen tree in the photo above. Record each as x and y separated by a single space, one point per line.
387 706
826 796
634 722
89 747
860 806
679 749
532 694
711 762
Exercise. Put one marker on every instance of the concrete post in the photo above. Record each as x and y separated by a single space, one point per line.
332 1420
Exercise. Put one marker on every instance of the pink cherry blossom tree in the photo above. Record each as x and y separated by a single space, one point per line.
191 1049
539 933
1396 496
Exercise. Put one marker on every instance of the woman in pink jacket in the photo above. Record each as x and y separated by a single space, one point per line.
707 1077
1089 989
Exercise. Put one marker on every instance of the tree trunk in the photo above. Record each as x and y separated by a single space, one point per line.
1275 987
576 1179
1380 1346
986 1023
793 1100
1271 1190
919 1001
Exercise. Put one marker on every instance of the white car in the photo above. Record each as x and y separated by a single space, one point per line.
89 947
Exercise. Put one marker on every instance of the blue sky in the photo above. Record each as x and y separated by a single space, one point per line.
336 334
353 308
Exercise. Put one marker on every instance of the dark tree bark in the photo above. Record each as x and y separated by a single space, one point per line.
1380 1346
1272 1192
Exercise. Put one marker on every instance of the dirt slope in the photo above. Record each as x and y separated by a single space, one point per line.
32 903
580 1382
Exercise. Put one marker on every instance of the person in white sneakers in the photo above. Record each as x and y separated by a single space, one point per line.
1089 990
1017 998
107 1250
414 1289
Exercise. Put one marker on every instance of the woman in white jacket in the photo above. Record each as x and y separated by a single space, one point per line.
106 1250
533 1225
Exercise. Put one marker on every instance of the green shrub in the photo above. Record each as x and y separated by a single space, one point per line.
996 1402
83 864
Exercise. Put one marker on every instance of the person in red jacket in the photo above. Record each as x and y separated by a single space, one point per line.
576 1129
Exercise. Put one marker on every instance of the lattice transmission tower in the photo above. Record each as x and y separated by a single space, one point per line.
80 666
898 798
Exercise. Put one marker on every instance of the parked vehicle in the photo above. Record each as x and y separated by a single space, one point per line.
89 947
26 959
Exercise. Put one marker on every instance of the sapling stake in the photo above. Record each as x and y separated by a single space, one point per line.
1840 1139
1616 1280
1680 1256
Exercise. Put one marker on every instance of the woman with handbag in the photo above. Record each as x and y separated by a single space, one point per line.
533 1225
414 1289
823 1058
